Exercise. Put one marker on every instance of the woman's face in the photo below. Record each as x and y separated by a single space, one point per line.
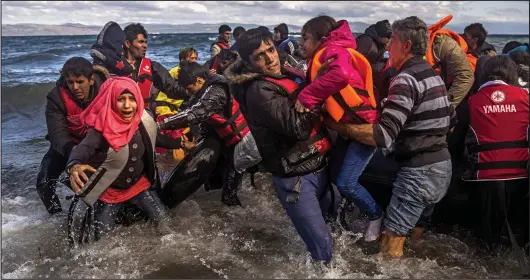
126 106
308 44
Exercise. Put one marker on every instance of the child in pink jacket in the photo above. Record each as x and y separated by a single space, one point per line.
349 156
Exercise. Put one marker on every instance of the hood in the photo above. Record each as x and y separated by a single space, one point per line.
340 37
372 32
216 78
284 31
108 50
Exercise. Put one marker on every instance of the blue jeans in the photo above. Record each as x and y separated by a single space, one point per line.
307 214
415 192
356 157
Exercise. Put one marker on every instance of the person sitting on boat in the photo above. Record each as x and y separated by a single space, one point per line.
291 144
475 36
150 75
372 44
108 54
119 152
168 107
221 61
222 42
236 33
497 142
77 86
217 110
413 126
285 43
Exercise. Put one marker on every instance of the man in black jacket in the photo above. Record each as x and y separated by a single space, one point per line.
215 103
150 75
287 140
372 45
75 89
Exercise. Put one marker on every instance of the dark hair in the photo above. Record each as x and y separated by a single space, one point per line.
476 30
520 57
510 46
186 52
252 39
190 71
238 31
500 67
415 30
320 26
225 55
132 30
77 66
284 31
223 28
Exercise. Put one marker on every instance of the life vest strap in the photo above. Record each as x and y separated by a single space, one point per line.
228 121
347 109
500 165
235 132
522 144
143 77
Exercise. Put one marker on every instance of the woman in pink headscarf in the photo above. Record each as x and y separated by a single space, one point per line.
119 151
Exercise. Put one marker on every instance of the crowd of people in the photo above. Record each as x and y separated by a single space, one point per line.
311 112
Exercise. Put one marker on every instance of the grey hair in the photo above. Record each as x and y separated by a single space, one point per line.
415 30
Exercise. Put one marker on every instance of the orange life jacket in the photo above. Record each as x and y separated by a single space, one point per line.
435 30
349 99
317 139
75 128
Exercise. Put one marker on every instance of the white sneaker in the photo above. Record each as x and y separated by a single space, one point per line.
373 230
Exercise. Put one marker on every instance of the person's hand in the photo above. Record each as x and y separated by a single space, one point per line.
77 172
300 108
187 145
213 71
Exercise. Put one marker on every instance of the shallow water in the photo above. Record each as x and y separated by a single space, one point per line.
214 241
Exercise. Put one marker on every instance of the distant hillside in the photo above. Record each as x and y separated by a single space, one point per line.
80 29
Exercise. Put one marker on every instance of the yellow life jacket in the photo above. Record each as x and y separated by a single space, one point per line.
166 105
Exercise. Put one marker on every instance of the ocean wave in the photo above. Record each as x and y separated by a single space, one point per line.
23 96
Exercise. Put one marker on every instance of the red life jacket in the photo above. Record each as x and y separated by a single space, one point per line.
221 45
497 140
232 129
75 128
145 81
291 88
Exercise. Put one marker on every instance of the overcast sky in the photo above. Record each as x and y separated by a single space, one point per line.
511 15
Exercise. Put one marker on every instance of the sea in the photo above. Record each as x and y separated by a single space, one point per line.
210 240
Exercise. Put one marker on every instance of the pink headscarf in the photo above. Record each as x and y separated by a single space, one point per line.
102 113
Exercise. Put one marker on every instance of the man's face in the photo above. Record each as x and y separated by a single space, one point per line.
226 36
138 47
471 42
398 51
265 59
79 85
196 87
277 35
192 57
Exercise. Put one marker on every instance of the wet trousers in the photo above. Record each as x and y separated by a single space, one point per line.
148 201
51 167
307 199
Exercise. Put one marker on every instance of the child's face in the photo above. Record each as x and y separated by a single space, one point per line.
308 44
126 106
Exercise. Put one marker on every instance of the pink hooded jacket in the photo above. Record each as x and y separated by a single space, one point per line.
339 73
